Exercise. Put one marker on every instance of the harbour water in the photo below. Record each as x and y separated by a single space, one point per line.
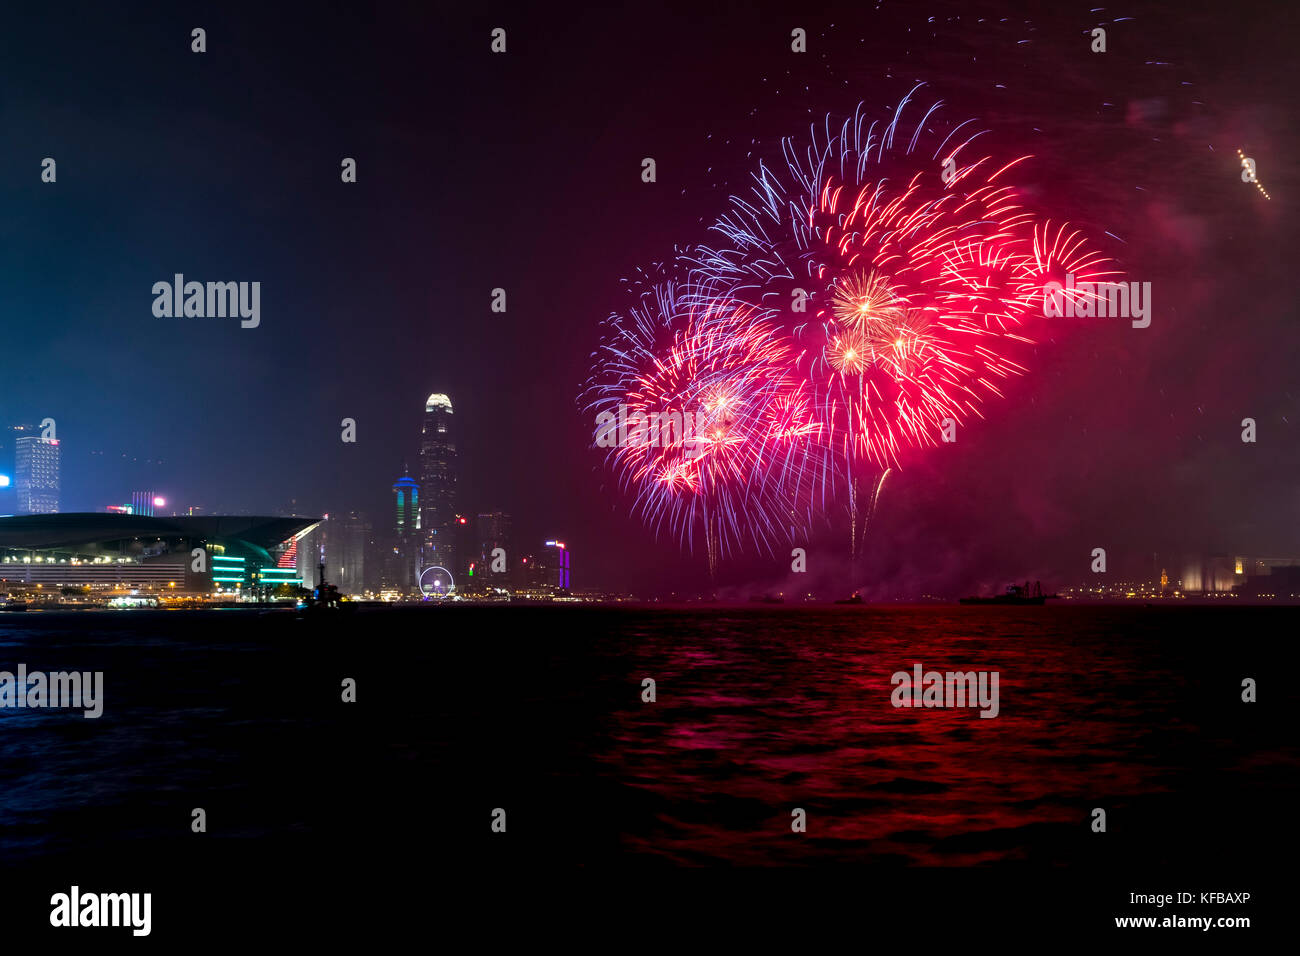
539 711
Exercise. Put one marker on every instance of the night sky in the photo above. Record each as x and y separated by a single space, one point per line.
522 171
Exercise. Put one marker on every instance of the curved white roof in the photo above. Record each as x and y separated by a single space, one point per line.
437 400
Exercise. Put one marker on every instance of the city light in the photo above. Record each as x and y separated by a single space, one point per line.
159 502
4 481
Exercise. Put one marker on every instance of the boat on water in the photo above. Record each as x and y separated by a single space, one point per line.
1014 595
324 597
855 599
13 605
766 599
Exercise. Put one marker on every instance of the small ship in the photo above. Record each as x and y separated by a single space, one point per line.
1014 595
325 597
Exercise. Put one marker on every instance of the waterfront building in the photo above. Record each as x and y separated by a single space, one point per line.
36 475
402 565
438 476
494 531
94 556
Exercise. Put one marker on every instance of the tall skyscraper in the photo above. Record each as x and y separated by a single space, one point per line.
547 570
553 565
36 475
493 533
9 436
402 567
438 483
464 545
348 542
309 551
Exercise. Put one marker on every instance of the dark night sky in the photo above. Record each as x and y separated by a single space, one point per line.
522 171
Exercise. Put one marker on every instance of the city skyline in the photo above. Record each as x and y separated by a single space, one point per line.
1122 438
1196 570
427 546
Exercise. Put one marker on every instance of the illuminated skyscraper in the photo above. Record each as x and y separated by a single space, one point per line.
36 475
551 567
341 541
402 567
309 551
349 540
438 484
8 465
493 533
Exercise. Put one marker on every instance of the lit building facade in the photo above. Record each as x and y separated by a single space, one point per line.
402 564
309 551
144 503
36 475
438 484
494 531
554 565
547 573
341 541
8 464
464 547
70 558
350 536
1212 573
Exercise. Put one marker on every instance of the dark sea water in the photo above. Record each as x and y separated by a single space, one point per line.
538 711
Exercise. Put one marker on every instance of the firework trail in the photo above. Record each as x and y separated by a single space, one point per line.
858 299
708 426
900 259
